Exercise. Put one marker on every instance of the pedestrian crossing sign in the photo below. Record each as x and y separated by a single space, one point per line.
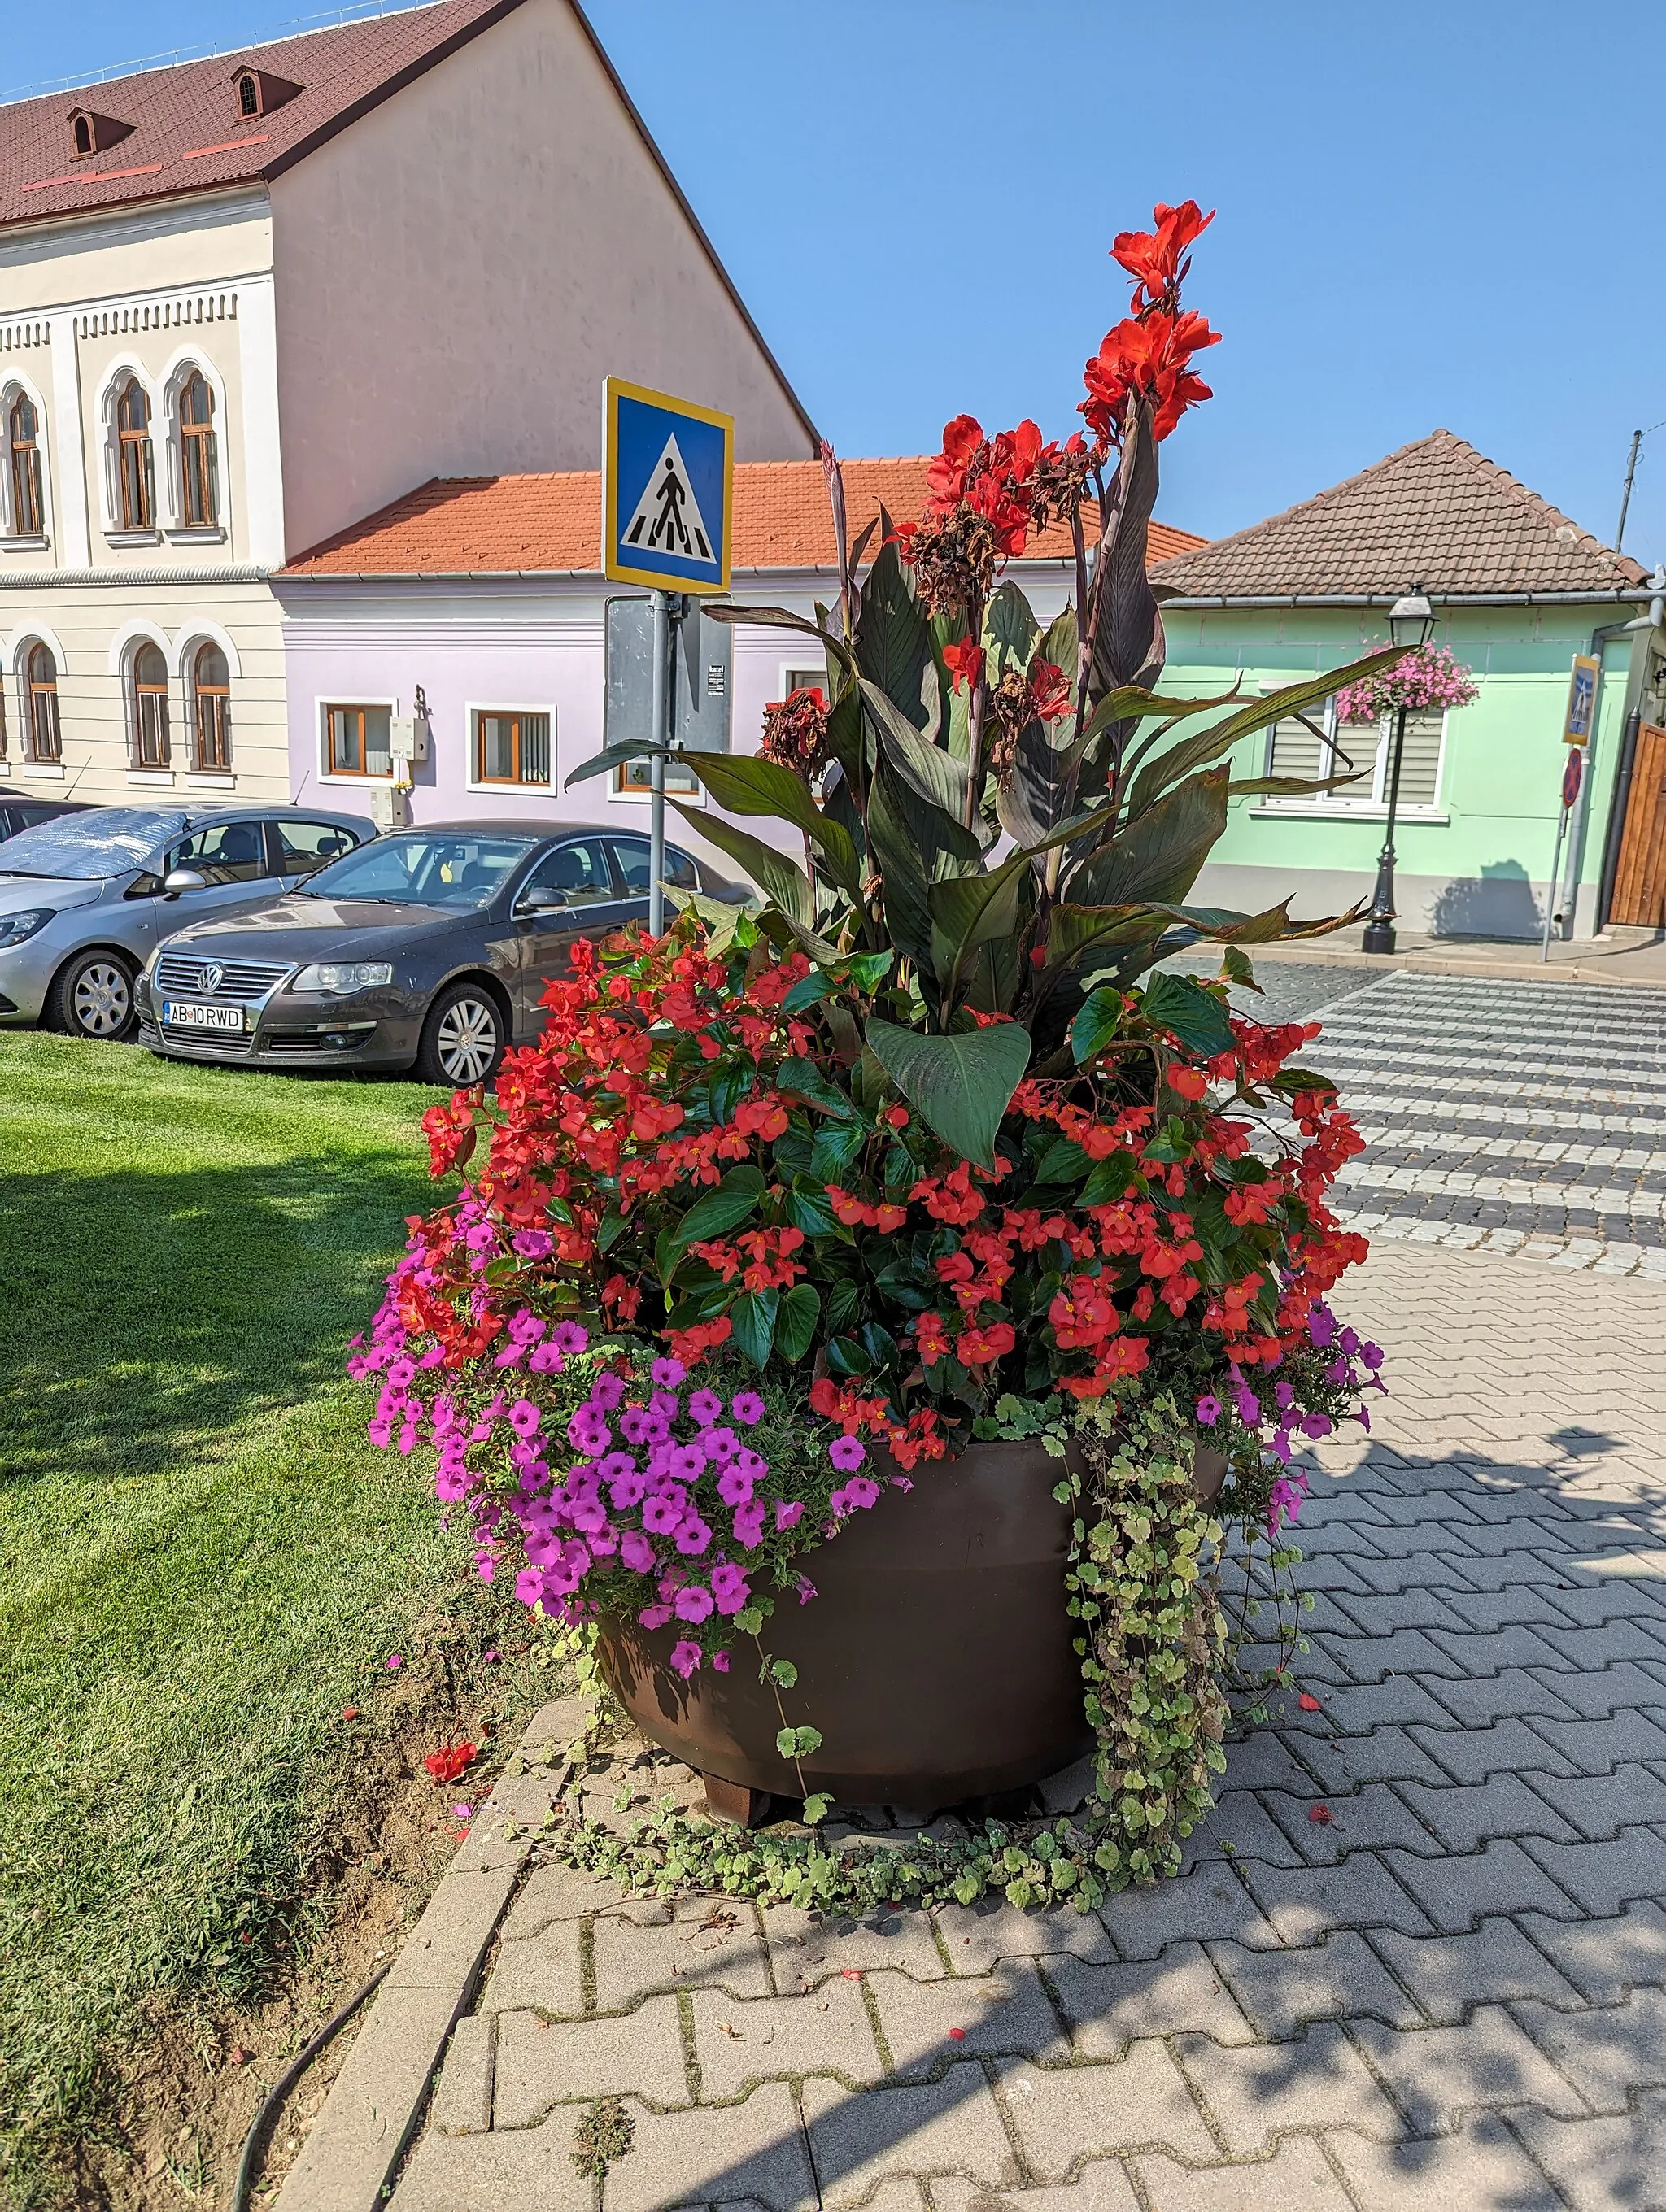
667 486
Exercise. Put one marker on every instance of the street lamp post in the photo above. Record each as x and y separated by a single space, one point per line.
1411 621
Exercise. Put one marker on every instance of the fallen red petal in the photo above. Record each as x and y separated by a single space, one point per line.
350 1712
1319 1815
1309 1705
957 2035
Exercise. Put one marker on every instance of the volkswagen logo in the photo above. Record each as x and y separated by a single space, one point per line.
213 976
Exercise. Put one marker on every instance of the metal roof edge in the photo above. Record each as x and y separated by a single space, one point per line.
1620 595
44 579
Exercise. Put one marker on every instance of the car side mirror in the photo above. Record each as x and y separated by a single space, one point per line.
540 900
182 879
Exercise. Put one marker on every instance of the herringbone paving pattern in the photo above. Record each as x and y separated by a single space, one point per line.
1450 1993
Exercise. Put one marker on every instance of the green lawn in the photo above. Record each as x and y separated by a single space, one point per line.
201 1560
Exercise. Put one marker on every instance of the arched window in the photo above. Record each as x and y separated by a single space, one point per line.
149 707
83 130
248 95
22 436
210 684
136 469
46 740
199 457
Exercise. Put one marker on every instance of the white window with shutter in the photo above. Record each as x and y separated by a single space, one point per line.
1317 745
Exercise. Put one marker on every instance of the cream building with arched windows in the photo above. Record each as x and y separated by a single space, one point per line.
239 299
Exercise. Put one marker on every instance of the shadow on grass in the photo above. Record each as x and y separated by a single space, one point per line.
151 1313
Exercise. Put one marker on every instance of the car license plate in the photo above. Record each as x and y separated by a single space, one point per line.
179 1014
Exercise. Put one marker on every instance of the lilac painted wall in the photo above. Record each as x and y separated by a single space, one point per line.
537 647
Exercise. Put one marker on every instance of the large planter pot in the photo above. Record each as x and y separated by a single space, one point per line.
935 1659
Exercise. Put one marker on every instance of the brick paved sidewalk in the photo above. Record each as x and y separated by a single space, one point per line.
1454 1994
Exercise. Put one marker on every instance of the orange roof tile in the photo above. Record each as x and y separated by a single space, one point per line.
552 524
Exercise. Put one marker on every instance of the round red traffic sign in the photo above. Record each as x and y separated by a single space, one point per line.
1572 773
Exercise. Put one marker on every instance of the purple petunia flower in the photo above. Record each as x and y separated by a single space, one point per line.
704 1406
636 1551
533 1243
847 1453
668 1374
749 1526
607 1392
570 1337
685 1657
719 1445
692 1602
719 1662
734 1487
692 1535
789 1511
655 1616
730 1588
546 1359
1208 1409
748 1408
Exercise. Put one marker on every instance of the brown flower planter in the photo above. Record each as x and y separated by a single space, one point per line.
936 1658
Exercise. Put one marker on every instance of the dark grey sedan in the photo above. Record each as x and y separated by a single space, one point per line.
429 949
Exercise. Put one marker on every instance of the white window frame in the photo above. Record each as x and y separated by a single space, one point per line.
321 706
13 388
1356 804
474 783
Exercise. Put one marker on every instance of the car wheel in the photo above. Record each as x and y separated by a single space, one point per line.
93 997
463 1038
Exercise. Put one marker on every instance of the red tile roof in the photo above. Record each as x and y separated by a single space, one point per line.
552 524
1436 513
187 135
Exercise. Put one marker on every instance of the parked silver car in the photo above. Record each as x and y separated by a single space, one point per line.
85 898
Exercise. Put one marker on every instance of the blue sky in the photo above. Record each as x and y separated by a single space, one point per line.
1433 214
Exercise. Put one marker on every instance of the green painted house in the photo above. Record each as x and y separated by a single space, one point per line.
1518 591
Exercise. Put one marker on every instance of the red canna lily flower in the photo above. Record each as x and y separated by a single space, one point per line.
966 660
449 1761
1152 257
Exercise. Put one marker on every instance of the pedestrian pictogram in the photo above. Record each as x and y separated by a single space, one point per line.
668 469
668 518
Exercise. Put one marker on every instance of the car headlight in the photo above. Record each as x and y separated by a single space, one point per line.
338 976
14 927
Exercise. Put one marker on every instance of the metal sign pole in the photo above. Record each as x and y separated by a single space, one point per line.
661 736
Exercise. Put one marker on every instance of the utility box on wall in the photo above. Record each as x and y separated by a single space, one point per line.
389 806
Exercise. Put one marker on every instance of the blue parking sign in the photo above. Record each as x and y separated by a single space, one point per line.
667 486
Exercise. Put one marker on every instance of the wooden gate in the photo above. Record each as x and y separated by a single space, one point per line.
1639 883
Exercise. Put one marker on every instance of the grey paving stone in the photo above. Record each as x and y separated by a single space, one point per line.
1420 1608
1625 1597
702 1943
1266 1759
1241 1821
1399 1701
1110 2007
1511 1693
1206 1901
443 1949
1606 1958
462 2103
1625 1686
501 1832
1267 2090
749 2153
1521 1604
541 2065
1358 1892
531 2166
1603 1876
978 1937
1601 1805
1295 2176
1005 2011
1465 1815
1606 2052
1064 2115
1491 1964
860 2138
1362 1819
1597 1747
825 2031
1436 2074
1376 1658
541 1973
1611 1644
1337 1980
1456 1891
1386 1754
1612 2165
1101 2186
1389 1577
807 1948
353 2144
1479 2168
1489 1651
1471 1755
551 1893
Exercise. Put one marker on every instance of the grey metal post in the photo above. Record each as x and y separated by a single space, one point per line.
661 736
1379 935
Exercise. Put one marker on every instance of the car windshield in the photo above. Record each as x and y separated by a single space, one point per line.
105 841
452 868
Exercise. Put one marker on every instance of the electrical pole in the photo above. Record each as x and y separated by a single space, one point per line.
1638 436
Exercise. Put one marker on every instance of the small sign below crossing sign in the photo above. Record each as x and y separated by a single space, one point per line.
668 484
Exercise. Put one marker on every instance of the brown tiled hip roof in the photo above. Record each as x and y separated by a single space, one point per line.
552 524
1436 513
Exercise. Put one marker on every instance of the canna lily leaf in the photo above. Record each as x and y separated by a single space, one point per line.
783 618
893 639
742 783
962 1084
1181 1006
1275 706
966 911
615 755
779 878
1157 859
1009 629
928 771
